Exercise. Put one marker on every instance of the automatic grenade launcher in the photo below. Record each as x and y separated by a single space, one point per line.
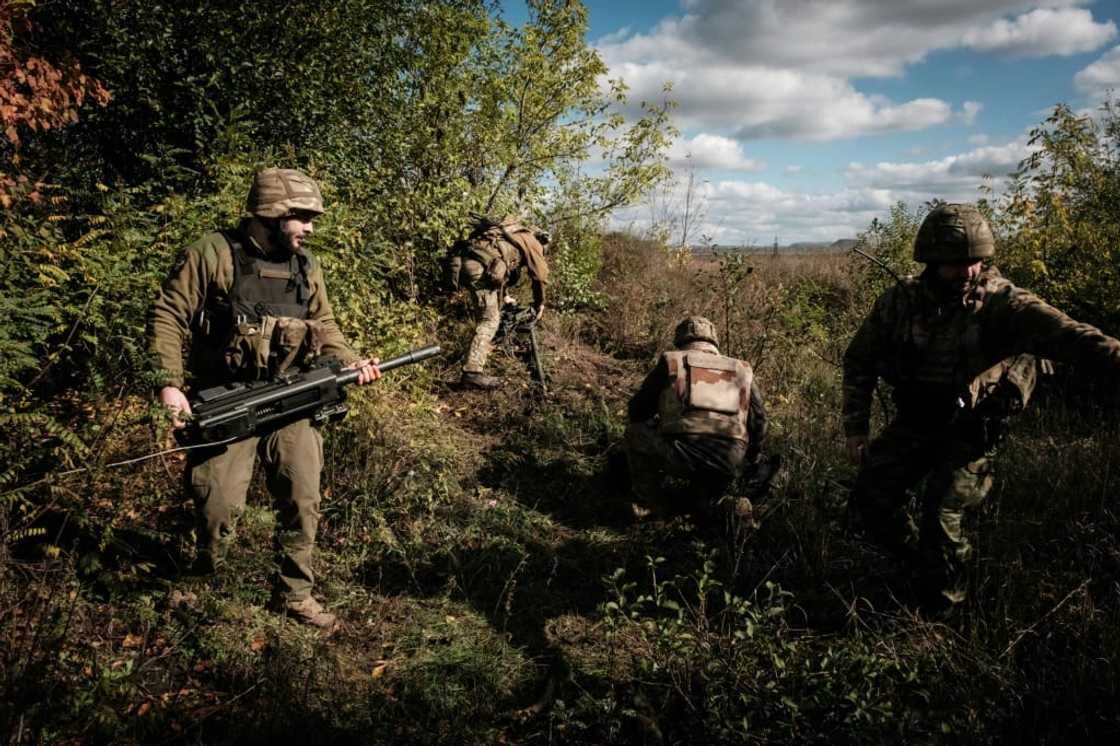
224 414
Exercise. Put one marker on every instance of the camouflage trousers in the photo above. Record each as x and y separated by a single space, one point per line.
652 457
219 481
487 310
958 475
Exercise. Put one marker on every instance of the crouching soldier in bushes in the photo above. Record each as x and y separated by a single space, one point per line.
246 304
958 346
487 263
698 417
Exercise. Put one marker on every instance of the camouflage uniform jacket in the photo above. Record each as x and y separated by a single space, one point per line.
202 275
941 355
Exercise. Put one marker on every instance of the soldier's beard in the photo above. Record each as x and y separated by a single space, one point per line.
950 289
281 242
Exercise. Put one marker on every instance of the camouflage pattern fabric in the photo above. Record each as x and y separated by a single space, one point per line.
486 263
706 393
954 233
710 450
276 192
943 358
488 313
935 353
292 457
708 465
958 475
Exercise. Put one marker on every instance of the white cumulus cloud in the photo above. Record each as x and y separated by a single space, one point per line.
745 70
785 68
1100 76
751 102
955 177
969 111
712 151
754 213
1043 32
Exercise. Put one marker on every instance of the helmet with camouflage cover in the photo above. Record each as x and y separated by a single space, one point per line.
278 192
953 233
695 329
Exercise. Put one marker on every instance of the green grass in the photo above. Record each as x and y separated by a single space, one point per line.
493 589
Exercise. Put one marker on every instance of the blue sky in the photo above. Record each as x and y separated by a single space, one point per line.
805 119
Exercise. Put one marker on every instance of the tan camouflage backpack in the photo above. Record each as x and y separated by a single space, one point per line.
502 247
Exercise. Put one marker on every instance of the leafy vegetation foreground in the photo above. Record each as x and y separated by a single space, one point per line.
493 585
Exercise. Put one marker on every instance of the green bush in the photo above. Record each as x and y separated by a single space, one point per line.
1059 223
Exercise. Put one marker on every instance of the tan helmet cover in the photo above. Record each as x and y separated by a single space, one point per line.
954 233
695 329
278 192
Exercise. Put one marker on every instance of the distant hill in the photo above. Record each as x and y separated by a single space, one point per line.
799 247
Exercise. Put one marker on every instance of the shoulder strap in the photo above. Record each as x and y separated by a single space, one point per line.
241 265
300 264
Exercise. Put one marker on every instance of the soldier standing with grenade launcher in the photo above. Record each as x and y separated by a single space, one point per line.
253 304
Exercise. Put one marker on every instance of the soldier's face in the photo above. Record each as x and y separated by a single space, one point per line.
959 278
295 228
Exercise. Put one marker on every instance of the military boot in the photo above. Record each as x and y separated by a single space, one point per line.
207 563
307 611
475 380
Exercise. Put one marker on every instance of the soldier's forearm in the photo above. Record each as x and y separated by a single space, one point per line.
166 346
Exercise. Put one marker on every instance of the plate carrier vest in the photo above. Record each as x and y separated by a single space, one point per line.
707 394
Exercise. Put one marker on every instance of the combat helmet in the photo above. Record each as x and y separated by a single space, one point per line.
278 192
953 233
695 329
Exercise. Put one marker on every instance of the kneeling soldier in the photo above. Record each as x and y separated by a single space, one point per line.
697 416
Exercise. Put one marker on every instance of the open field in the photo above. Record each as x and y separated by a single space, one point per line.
494 588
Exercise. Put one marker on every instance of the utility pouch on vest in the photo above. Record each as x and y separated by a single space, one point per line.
294 342
246 348
712 384
487 250
268 348
496 271
1003 399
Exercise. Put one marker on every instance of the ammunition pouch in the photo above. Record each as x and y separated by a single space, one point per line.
497 271
990 421
264 349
